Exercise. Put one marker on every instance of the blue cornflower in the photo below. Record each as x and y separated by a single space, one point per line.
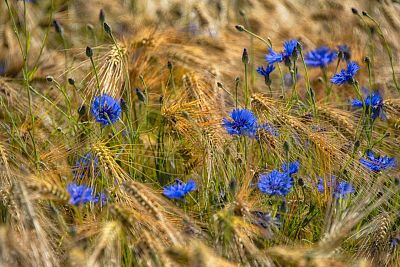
288 50
2 67
102 198
265 219
343 189
269 128
321 185
377 163
106 109
373 103
345 52
243 122
275 183
273 57
266 72
346 75
289 47
320 57
80 194
193 28
179 189
291 168
86 165
394 242
288 79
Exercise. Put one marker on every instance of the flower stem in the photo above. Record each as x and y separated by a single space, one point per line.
387 48
268 42
236 92
308 84
246 86
95 73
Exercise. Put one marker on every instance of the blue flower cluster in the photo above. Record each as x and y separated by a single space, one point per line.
81 194
373 103
179 189
243 122
342 190
106 110
276 183
289 49
269 128
321 186
377 163
320 57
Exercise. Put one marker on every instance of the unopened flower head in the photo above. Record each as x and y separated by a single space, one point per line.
344 52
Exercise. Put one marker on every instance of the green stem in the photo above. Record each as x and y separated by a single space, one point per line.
246 82
171 79
282 80
251 52
363 118
24 52
387 48
270 89
146 98
308 83
258 37
329 91
95 73
294 80
369 75
35 66
124 59
325 78
236 92
53 104
68 101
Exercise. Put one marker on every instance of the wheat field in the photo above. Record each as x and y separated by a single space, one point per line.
199 133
